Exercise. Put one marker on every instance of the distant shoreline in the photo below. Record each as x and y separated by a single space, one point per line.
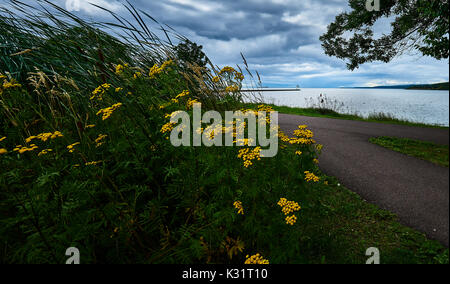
272 90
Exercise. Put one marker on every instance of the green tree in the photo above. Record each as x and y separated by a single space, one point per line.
189 52
417 24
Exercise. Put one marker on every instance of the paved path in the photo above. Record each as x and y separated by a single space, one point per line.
416 190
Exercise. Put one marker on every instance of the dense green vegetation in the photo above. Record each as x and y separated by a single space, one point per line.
428 151
86 162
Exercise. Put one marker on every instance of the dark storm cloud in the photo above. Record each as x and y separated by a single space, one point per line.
280 38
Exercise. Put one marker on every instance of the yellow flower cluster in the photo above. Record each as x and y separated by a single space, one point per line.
216 79
3 138
227 69
120 68
100 139
304 141
155 70
45 152
107 112
244 142
311 177
21 149
182 94
230 70
288 207
239 76
93 163
168 127
45 136
191 103
100 91
3 151
248 155
169 115
71 147
11 84
304 133
283 136
238 206
232 89
298 153
265 108
256 259
137 75
291 220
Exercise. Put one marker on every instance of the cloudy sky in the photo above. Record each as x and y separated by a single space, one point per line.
280 39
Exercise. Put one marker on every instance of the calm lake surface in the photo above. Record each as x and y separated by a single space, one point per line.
431 107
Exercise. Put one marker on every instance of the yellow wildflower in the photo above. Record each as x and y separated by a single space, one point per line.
232 89
107 112
3 151
93 163
190 103
311 177
168 127
71 147
3 138
100 139
22 149
119 69
100 91
44 152
11 84
248 156
288 207
256 259
291 220
137 75
238 206
182 94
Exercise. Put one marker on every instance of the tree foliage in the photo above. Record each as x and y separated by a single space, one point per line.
421 25
189 52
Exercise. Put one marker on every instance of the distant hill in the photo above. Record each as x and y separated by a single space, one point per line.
438 86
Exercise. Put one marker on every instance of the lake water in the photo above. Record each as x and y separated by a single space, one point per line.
424 106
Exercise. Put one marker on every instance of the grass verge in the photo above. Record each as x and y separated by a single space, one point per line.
327 113
345 226
437 154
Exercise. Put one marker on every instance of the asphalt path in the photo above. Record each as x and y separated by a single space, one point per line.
416 190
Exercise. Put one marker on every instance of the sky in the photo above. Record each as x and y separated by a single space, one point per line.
279 38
